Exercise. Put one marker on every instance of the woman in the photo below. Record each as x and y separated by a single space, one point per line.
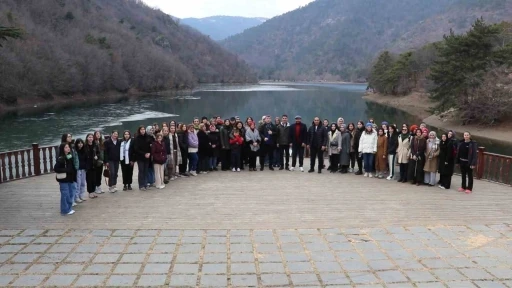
159 155
173 123
193 147
345 149
150 131
446 161
214 139
381 157
98 139
225 131
417 158
403 153
91 165
66 176
80 173
176 155
68 138
127 159
467 158
392 147
325 123
252 137
431 159
183 142
243 153
353 154
204 151
385 126
334 147
368 148
357 138
142 152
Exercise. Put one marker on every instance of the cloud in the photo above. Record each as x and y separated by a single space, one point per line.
246 8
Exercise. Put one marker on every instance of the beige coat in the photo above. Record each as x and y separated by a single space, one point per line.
334 139
403 152
431 156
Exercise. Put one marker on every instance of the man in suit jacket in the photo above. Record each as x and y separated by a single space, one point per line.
317 143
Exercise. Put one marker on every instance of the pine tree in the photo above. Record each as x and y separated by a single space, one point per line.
378 75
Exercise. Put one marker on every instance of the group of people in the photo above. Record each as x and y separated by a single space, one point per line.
172 150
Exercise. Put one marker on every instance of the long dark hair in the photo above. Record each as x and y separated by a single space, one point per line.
362 123
64 138
127 131
61 149
79 140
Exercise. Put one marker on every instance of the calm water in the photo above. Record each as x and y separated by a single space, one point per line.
324 100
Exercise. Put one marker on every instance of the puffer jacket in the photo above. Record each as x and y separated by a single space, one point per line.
368 142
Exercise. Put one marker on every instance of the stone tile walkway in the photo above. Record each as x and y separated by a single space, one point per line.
393 256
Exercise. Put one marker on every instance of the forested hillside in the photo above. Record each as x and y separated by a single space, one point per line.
338 39
221 27
92 46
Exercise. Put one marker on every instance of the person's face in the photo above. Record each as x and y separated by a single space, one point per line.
212 128
156 127
126 135
381 132
97 135
69 138
239 125
196 122
90 138
298 121
165 131
326 123
418 133
450 134
425 135
371 121
115 135
252 125
152 130
350 127
467 136
369 128
142 131
236 134
405 130
391 129
359 125
342 128
316 121
80 145
423 126
172 129
443 137
159 138
67 149
164 125
267 119
237 118
232 122
184 128
384 127
204 128
191 129
333 127
227 123
431 136
284 119
205 120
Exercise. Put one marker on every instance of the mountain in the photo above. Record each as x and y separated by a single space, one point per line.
85 47
338 39
221 27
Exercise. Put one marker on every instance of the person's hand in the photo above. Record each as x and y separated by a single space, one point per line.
269 132
384 156
95 157
472 167
147 155
303 145
213 146
266 139
308 146
107 165
323 148
339 149
255 144
374 152
414 158
360 154
277 145
445 163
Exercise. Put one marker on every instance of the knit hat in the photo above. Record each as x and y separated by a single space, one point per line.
413 128
369 125
384 123
298 117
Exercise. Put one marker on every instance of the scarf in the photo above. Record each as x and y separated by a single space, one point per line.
125 151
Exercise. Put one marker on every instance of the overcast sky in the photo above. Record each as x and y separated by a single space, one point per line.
246 8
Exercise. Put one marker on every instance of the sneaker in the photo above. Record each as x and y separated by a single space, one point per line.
125 188
370 175
98 190
111 190
74 204
461 189
129 187
179 175
160 187
365 174
234 170
350 170
143 189
193 173
301 169
389 177
238 170
281 168
172 178
292 168
71 212
311 171
468 191
78 200
83 198
441 186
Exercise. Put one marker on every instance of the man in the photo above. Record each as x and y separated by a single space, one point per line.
167 144
232 121
283 143
317 142
237 118
268 131
112 159
297 137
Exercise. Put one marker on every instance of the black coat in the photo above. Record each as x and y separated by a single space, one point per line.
272 139
224 137
112 151
214 138
472 153
303 134
446 158
90 152
204 148
82 159
357 137
142 146
63 165
318 138
183 142
167 144
392 144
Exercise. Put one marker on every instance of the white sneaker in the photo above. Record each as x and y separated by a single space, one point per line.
193 173
115 189
365 174
442 187
73 205
234 170
292 168
78 200
238 170
111 190
173 178
160 187
71 212
370 175
98 190
389 177
350 170
301 169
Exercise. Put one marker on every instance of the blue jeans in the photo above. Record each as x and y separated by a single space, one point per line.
80 184
213 162
192 158
151 174
143 166
67 194
368 162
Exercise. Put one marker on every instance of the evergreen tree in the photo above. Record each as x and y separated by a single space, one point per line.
378 75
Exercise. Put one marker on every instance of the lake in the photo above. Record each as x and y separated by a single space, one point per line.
328 101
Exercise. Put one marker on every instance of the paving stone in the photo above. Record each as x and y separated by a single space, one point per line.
330 231
90 280
435 263
9 232
170 233
271 268
274 279
292 247
460 262
69 240
79 257
183 280
138 248
240 248
399 254
118 240
392 276
152 280
263 258
196 233
191 240
143 240
126 233
121 280
133 258
52 258
41 269
99 269
327 266
127 268
239 233
216 239
189 248
12 268
70 268
25 258
21 240
45 240
317 247
413 244
460 284
244 281
296 257
354 265
78 232
341 246
448 252
420 276
214 268
5 239
263 232
214 281
60 280
240 239
489 284
447 274
87 248
55 232
323 256
154 268
242 268
502 273
29 280
304 279
113 248
349 255
289 239
334 279
11 248
381 264
362 277
186 268
167 240
424 253
365 246
399 285
476 273
4 257
218 257
390 245
373 255
216 248
161 258
267 239
187 258
35 248
164 248
62 248
267 248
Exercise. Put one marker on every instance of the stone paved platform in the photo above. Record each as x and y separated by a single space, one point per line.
394 256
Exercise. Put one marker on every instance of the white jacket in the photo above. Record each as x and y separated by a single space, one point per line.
368 142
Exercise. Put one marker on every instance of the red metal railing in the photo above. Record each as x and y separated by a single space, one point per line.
26 163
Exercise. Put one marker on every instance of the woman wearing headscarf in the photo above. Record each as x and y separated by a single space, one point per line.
431 159
446 162
403 153
345 149
417 159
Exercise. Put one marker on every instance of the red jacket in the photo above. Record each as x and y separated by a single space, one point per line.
236 141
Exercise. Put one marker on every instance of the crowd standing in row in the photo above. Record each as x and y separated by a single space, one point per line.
174 150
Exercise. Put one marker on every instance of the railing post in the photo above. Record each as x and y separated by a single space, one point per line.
480 163
37 159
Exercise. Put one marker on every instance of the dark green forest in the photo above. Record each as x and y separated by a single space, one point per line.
338 39
70 47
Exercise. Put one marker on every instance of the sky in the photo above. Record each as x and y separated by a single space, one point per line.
246 8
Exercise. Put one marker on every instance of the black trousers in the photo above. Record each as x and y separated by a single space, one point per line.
353 156
316 153
184 161
252 159
127 170
203 163
266 150
225 156
466 172
297 150
334 159
445 181
359 162
99 175
90 178
284 154
404 169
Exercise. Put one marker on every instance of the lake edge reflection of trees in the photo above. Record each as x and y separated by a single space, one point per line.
97 46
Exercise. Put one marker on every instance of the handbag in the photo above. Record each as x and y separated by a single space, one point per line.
106 173
61 176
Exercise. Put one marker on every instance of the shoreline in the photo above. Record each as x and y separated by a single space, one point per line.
416 104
